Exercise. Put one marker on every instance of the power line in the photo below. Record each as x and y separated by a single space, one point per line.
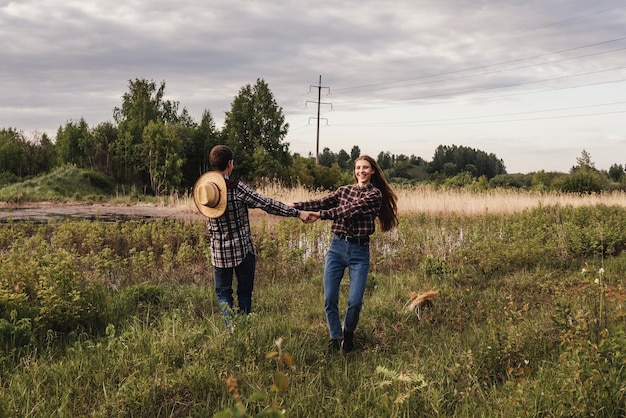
417 124
511 69
511 85
479 67
472 119
475 90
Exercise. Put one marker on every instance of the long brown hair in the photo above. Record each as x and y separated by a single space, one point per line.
388 215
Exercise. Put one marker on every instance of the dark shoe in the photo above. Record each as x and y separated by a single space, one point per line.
348 341
334 345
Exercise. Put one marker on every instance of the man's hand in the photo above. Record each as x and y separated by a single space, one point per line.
309 217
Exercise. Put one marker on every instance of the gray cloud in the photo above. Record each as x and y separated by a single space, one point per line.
397 64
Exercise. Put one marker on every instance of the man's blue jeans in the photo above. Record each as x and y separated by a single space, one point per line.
356 258
245 284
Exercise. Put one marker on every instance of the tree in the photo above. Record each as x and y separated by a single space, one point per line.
142 104
256 121
462 179
74 143
540 181
196 150
449 169
417 160
464 159
161 150
40 155
384 160
104 137
355 152
301 171
400 168
21 156
327 158
616 172
584 162
583 178
12 148
327 177
581 181
442 156
516 181
265 166
343 159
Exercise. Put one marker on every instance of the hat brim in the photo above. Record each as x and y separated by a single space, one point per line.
220 208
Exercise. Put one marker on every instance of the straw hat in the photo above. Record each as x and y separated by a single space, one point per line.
209 194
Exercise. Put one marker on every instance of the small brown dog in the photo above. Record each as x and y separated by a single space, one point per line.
417 301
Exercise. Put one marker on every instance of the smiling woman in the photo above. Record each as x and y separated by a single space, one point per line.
353 210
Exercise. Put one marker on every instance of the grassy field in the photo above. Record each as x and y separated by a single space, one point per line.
120 319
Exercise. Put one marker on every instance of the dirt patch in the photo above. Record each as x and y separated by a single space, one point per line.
45 211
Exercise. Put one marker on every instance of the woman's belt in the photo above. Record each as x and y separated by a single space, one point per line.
354 240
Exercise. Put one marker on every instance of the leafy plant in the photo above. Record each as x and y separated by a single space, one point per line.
280 384
405 384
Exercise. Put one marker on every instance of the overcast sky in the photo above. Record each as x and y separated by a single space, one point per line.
534 82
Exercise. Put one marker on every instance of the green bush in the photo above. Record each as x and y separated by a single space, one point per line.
47 292
100 181
7 178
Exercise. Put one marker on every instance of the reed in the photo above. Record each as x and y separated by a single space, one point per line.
442 201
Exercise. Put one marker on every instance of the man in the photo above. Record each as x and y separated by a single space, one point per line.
225 202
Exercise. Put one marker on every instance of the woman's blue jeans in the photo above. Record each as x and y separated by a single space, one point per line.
245 284
341 255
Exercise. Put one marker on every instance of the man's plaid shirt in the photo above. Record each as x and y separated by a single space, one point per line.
230 235
352 208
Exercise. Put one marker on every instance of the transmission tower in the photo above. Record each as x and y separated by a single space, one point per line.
319 103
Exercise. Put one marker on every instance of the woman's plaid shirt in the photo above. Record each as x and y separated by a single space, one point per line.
352 208
230 235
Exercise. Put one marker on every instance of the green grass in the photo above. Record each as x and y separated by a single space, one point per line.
516 330
62 184
72 184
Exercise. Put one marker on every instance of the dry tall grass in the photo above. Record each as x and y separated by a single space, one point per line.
465 202
427 199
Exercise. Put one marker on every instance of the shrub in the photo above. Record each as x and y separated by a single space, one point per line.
47 292
101 181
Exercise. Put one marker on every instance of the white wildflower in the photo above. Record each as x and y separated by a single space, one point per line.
584 270
597 281
601 271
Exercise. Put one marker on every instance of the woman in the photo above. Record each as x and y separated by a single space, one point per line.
353 210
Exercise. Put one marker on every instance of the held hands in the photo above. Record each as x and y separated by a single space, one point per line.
309 217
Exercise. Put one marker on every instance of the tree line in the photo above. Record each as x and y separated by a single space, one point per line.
158 147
